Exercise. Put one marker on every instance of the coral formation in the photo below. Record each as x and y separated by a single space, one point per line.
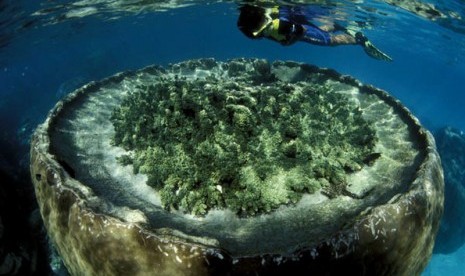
220 143
385 225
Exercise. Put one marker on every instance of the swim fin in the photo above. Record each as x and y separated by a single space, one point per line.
374 52
369 48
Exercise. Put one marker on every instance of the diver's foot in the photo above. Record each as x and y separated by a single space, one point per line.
360 38
374 52
369 48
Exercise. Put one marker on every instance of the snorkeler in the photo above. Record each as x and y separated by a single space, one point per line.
289 24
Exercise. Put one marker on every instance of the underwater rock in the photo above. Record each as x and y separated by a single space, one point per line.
110 211
451 148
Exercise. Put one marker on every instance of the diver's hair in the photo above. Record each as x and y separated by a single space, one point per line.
251 18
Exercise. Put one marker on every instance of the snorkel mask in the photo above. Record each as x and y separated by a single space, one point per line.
269 15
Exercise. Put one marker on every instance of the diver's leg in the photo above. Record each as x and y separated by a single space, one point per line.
342 39
315 35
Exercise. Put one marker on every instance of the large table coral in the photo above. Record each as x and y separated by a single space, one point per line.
238 167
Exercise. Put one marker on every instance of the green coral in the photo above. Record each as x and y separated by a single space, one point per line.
220 144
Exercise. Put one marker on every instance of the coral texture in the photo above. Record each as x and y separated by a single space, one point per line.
217 143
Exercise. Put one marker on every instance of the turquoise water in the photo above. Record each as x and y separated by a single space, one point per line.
50 48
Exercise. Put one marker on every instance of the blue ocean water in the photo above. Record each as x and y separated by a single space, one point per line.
50 48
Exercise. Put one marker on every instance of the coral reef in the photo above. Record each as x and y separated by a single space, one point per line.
217 143
105 220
